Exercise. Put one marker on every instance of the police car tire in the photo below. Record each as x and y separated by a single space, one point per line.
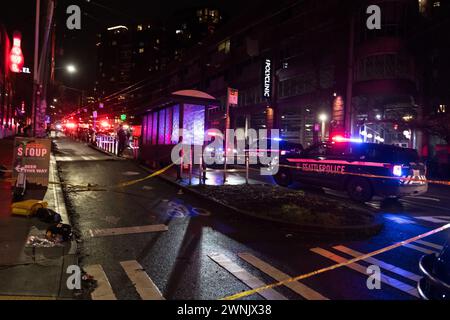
283 178
364 196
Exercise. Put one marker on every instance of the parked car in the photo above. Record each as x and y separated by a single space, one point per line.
435 285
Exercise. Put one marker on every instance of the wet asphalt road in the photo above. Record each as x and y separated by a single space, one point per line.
177 260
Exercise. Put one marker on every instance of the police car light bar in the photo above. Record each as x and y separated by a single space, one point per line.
343 139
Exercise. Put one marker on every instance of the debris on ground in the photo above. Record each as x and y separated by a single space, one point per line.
59 232
41 242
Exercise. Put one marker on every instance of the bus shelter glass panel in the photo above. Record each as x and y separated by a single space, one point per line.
162 126
176 124
194 124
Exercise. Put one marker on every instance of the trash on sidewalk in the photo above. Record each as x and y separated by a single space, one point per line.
48 215
40 242
28 208
59 232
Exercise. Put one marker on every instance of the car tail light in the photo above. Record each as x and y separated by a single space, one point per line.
397 171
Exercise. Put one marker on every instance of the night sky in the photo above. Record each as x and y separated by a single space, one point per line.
78 47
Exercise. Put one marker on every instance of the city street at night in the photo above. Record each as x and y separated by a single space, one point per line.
179 260
225 159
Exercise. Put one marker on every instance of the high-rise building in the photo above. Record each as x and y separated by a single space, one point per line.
128 54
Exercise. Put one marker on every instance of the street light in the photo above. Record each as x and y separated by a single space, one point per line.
71 68
323 118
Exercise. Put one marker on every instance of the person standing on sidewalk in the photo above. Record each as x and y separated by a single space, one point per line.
122 137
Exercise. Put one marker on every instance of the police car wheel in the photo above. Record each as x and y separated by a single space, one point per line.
283 178
360 190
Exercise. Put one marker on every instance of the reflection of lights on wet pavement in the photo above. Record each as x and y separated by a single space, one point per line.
176 209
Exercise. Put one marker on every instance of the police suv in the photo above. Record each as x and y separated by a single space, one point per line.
363 170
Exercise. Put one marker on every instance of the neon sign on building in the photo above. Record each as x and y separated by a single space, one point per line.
16 56
267 79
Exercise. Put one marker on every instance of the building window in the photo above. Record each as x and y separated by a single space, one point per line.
139 27
224 46
141 50
386 66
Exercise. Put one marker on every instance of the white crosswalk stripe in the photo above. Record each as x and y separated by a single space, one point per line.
420 249
278 275
381 264
145 287
361 269
103 291
244 276
80 158
430 244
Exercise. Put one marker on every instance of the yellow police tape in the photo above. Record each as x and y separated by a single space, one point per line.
366 175
154 174
91 187
336 266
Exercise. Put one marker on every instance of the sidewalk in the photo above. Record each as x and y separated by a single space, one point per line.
216 177
25 272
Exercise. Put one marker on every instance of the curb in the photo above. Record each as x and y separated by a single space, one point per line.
72 257
358 230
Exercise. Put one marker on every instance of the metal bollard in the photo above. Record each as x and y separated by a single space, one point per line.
247 167
190 166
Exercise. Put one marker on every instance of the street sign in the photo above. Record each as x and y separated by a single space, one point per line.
32 157
233 96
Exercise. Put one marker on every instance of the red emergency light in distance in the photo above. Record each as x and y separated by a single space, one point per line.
70 125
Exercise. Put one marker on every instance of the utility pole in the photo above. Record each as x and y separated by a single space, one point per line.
349 91
227 127
34 99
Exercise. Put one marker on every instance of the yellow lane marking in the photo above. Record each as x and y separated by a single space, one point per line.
336 266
